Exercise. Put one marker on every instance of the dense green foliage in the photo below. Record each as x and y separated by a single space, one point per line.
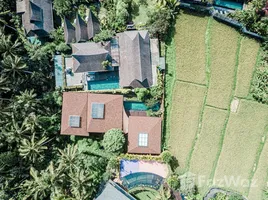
166 156
114 141
173 182
161 18
104 35
66 7
252 17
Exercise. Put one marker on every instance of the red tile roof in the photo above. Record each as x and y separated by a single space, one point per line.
149 125
76 103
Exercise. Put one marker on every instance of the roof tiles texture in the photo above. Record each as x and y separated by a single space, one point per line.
88 57
80 104
37 16
135 59
149 125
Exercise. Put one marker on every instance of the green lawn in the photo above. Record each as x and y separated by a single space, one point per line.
144 193
200 129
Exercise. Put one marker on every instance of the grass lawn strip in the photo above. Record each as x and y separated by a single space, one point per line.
247 61
208 143
261 169
241 143
169 85
223 62
190 48
187 103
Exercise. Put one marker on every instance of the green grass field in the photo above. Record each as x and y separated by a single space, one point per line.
191 56
223 63
200 130
241 144
207 145
186 105
144 193
247 61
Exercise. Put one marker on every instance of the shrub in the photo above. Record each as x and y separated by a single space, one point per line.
173 182
166 157
114 141
113 163
141 93
104 35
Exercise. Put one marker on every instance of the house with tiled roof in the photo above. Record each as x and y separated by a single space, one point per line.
144 135
84 113
37 16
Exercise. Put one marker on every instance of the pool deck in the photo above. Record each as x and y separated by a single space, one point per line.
134 166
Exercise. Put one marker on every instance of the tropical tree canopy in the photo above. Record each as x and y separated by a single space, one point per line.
114 141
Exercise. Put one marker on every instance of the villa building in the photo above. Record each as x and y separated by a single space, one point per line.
86 113
37 16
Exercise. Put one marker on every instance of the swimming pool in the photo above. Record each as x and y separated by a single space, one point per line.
58 71
139 106
103 85
229 4
132 105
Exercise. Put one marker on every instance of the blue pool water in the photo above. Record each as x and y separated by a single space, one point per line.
229 4
103 85
139 106
58 70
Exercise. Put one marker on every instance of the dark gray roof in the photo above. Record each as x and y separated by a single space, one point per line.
69 31
112 191
88 57
135 59
81 29
37 16
93 25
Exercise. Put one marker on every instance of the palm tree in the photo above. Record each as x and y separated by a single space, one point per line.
13 66
171 5
81 184
1 15
4 84
33 150
7 46
69 158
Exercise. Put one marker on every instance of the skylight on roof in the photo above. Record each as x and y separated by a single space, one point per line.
74 121
143 139
97 110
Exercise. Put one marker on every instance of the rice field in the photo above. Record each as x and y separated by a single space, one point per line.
260 178
208 143
191 56
205 135
247 61
223 63
186 106
241 144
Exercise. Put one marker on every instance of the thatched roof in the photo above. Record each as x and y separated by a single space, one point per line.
37 16
93 25
135 59
81 29
69 31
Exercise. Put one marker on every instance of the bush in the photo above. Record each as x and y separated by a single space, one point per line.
173 182
113 163
159 22
114 141
166 157
141 93
104 35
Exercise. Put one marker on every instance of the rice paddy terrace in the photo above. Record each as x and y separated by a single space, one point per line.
214 128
